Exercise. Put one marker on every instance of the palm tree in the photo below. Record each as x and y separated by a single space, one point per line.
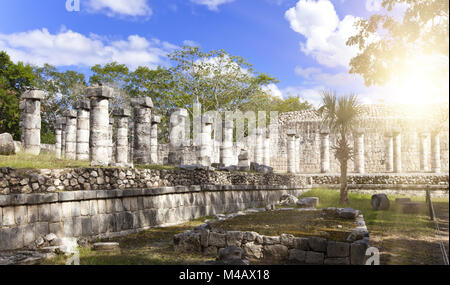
340 115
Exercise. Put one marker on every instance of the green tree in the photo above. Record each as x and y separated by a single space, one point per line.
386 43
340 116
63 90
13 80
290 104
220 81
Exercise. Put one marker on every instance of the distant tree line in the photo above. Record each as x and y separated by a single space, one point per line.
218 80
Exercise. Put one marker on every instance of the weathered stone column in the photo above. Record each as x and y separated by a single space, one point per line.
359 160
142 129
83 122
156 120
71 134
324 151
389 158
177 135
297 153
122 117
259 147
111 149
63 137
226 150
423 138
397 151
58 138
291 151
99 127
436 152
243 160
205 149
31 124
267 151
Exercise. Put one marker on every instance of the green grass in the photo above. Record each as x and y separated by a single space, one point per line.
43 161
299 224
401 238
154 167
150 247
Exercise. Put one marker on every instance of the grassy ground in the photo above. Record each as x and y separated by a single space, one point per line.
151 247
49 161
299 224
43 161
401 238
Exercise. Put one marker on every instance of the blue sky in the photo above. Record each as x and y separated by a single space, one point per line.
300 42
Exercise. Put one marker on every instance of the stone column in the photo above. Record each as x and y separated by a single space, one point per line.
58 138
111 149
243 160
204 155
31 124
397 151
267 151
297 153
142 129
324 151
424 166
359 151
177 134
436 153
154 139
83 122
71 134
226 150
99 127
63 137
389 160
259 147
122 117
291 151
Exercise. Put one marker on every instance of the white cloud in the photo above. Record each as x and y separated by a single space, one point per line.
212 4
273 90
69 48
325 34
306 72
112 8
191 43
373 5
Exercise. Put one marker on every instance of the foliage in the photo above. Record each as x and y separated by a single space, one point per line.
386 42
13 80
340 115
62 91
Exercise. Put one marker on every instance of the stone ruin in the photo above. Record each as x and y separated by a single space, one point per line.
389 139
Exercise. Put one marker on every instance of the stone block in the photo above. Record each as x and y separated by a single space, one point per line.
338 249
234 238
316 258
55 212
29 234
41 229
267 240
253 250
318 244
301 243
337 261
85 209
276 252
297 255
8 216
57 229
358 253
217 239
86 226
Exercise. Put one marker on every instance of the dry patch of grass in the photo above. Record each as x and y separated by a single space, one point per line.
299 224
43 161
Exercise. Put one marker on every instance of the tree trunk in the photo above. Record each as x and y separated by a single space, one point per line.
344 188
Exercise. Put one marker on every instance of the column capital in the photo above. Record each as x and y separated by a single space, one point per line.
156 119
100 92
291 133
143 102
122 112
83 104
33 94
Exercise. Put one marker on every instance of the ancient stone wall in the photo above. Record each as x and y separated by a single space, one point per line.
107 213
47 181
377 122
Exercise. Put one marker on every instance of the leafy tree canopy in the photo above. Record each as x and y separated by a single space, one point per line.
386 42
